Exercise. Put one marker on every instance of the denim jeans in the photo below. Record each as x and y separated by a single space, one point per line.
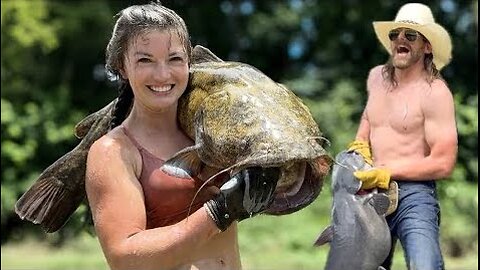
416 224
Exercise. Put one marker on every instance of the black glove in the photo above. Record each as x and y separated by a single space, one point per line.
246 194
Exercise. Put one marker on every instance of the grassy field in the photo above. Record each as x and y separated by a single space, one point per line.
85 254
266 243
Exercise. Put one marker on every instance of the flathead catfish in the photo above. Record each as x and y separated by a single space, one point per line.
359 236
251 121
237 117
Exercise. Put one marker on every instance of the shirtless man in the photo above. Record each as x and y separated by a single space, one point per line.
408 130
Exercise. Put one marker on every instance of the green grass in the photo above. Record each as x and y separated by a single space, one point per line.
267 253
266 243
82 253
285 242
61 260
269 243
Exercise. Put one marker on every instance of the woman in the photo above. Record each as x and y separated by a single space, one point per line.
140 213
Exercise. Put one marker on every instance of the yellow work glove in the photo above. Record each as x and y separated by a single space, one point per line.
373 178
362 148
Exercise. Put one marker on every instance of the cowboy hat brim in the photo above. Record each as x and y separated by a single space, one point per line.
436 35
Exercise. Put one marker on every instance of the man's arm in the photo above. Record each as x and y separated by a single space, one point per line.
363 132
361 144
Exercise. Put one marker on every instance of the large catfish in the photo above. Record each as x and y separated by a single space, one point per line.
238 118
359 236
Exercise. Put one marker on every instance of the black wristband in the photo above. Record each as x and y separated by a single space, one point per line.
217 210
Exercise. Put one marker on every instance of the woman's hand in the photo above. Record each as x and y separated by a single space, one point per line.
246 194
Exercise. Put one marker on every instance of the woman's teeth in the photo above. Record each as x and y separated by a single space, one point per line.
160 89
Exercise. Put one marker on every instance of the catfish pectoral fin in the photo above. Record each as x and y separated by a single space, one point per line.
184 164
49 203
325 237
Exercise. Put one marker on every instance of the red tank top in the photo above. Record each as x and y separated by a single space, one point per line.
167 198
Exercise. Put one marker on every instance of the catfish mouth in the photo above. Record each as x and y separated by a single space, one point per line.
304 191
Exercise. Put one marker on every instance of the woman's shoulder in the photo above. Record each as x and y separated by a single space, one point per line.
114 150
114 145
112 140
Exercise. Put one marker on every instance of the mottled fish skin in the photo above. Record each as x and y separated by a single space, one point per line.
239 118
226 110
359 236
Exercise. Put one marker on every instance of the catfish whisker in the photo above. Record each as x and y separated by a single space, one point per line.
321 138
203 185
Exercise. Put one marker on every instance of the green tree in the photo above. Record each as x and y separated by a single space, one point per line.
47 80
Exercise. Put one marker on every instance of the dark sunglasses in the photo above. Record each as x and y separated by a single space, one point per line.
410 35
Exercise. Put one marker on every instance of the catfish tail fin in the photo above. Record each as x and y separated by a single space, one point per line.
60 189
50 201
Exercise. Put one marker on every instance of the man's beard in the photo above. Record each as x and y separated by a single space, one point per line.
406 62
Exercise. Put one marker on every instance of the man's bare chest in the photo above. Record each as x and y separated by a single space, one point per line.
401 112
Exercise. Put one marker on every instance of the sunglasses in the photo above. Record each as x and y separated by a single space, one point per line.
410 35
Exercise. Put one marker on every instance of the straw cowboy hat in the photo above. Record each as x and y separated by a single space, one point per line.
418 17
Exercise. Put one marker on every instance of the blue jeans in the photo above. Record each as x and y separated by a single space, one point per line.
416 224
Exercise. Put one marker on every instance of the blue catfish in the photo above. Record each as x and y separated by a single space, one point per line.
359 236
238 118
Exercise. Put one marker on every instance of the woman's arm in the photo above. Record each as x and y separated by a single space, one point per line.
118 208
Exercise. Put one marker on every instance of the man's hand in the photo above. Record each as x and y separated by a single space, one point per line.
375 177
363 149
246 194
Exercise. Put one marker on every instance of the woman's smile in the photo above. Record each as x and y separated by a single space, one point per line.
161 89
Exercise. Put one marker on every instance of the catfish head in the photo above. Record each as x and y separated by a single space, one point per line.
240 118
